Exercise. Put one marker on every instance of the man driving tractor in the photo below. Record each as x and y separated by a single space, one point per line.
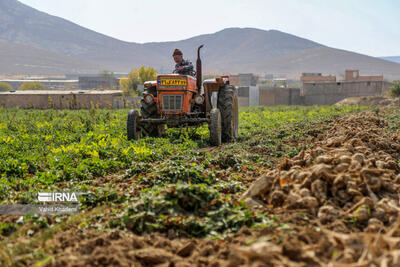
182 67
183 99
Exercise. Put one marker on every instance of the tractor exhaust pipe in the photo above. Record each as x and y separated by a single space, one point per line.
198 69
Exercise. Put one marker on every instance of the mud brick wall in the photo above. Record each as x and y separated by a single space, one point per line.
59 100
126 102
270 96
330 93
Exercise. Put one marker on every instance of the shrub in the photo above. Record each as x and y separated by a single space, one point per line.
32 86
5 87
395 89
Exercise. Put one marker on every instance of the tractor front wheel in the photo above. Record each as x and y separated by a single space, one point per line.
215 127
150 111
132 125
228 105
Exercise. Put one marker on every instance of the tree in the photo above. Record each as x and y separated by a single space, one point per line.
130 83
395 90
5 87
135 77
32 86
147 74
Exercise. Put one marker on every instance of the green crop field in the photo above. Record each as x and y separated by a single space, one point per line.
177 182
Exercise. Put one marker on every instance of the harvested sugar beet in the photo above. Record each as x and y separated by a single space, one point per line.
352 175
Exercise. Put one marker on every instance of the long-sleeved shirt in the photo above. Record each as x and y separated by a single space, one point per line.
187 68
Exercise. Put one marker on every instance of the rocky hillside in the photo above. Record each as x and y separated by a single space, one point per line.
231 50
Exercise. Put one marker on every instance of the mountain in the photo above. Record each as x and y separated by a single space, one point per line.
22 24
237 50
328 61
234 46
61 46
393 59
22 59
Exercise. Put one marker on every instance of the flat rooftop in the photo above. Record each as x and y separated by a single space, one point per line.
62 92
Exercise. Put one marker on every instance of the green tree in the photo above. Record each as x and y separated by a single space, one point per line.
5 87
130 83
32 86
395 90
147 74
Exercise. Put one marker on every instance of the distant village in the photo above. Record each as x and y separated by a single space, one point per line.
75 92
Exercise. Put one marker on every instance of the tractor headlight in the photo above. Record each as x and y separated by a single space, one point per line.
148 99
199 99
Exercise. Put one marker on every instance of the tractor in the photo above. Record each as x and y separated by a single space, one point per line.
175 100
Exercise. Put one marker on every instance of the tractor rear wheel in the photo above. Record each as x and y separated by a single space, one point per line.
215 127
228 105
150 111
132 125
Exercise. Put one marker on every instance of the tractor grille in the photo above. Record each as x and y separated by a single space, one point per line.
172 102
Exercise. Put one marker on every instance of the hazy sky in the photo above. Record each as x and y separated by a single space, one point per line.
370 27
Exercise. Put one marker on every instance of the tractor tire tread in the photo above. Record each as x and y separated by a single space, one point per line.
215 127
150 111
226 104
131 125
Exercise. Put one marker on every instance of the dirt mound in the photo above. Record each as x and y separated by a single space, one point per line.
350 177
301 246
100 248
382 100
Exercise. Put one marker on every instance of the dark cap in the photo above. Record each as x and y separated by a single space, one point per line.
177 52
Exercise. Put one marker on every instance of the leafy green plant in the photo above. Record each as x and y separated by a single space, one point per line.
174 171
99 196
191 210
7 228
227 160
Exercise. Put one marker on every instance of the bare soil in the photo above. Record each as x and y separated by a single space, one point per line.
383 100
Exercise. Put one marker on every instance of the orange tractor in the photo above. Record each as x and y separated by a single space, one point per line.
181 100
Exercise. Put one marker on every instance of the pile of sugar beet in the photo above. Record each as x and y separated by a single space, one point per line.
348 181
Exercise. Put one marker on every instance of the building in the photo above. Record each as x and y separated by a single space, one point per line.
248 95
268 77
271 96
354 75
234 80
243 79
94 82
76 76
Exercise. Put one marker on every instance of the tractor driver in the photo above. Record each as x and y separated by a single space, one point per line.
183 67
